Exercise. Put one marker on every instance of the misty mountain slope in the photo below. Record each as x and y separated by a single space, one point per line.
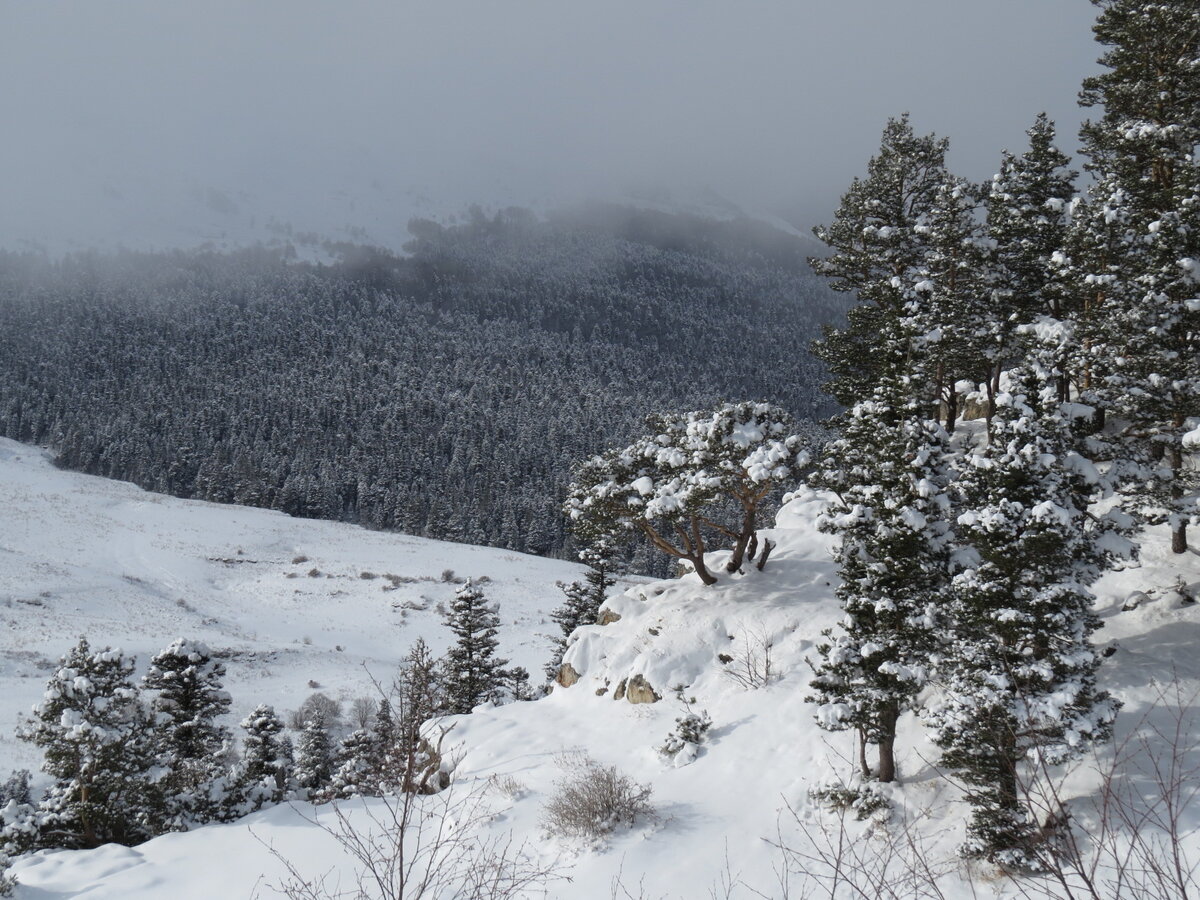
447 393
720 813
283 600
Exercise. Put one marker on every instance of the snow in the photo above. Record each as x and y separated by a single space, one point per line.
84 555
79 554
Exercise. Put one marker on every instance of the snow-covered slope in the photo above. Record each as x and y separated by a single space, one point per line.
288 600
718 815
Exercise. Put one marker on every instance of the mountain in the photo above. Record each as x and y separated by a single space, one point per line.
446 392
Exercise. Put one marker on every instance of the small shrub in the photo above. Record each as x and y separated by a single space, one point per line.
690 728
314 572
507 787
368 576
297 560
865 800
590 800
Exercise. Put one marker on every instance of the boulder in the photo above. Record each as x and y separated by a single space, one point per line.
567 675
639 691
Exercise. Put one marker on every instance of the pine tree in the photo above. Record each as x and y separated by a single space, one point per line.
191 745
99 749
355 765
889 472
583 598
1028 222
1145 336
314 757
1018 676
264 774
879 254
473 672
952 317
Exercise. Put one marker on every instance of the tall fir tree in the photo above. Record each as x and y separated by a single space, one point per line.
192 746
1028 222
879 250
1145 336
889 473
98 743
1018 673
474 674
952 317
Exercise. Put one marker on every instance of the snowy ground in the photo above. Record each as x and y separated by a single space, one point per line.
114 561
288 600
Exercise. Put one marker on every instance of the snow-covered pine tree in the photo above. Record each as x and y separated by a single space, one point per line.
355 765
1145 336
474 674
314 757
951 316
264 775
191 745
99 749
583 598
889 471
665 484
1017 676
1028 220
879 251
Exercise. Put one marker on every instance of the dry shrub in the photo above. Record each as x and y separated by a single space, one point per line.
591 800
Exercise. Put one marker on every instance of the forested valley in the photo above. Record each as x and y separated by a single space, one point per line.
445 392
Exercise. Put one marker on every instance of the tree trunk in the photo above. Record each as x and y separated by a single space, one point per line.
887 745
1174 454
743 539
862 755
768 546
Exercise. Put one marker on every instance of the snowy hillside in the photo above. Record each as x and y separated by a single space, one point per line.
287 601
81 554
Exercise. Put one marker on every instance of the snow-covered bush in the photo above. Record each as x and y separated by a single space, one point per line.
683 743
669 484
591 800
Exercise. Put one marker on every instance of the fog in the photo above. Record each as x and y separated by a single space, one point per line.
152 123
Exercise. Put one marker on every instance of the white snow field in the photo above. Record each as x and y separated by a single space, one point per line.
82 554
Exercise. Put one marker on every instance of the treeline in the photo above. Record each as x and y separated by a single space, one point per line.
443 393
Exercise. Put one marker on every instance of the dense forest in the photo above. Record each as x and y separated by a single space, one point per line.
445 392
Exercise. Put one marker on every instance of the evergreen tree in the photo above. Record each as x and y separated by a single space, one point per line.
314 756
669 484
1018 674
99 749
264 774
474 674
889 472
879 253
191 745
952 317
1028 222
583 598
1145 338
355 765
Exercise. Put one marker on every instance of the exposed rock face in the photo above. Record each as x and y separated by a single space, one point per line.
639 691
567 675
619 693
607 617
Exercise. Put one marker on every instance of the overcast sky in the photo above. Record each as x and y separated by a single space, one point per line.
155 123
